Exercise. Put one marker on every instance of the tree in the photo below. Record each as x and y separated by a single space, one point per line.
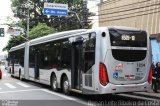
14 41
41 30
51 23
38 31
61 23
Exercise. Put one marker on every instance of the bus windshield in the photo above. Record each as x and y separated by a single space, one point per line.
128 38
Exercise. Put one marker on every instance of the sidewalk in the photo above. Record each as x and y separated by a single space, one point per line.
151 94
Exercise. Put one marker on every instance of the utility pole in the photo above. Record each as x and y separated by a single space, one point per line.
26 67
85 14
23 12
27 23
77 18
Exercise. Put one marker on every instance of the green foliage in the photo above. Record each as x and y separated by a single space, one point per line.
40 30
14 41
60 23
49 23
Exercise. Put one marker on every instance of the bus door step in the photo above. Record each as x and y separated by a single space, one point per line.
75 90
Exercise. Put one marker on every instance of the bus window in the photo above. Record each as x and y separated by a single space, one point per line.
66 55
31 57
128 38
89 52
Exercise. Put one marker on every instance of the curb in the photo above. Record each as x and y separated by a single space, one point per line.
144 94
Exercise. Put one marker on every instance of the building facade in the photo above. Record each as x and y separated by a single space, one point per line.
143 14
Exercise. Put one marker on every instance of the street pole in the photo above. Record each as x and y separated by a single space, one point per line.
28 23
77 18
85 14
26 58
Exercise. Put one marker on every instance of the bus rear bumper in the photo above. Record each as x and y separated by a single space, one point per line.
112 88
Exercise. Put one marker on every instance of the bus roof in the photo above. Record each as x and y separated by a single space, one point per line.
66 34
54 36
17 47
48 38
124 28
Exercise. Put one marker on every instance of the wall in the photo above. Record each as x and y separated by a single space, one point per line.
143 14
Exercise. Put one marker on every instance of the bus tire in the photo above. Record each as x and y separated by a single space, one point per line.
54 83
12 76
65 85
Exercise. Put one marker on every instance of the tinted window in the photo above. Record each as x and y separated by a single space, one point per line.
55 54
129 55
128 38
17 57
32 57
89 52
65 60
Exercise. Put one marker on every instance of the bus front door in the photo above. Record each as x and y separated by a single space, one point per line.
76 71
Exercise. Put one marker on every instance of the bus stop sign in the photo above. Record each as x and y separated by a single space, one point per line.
55 9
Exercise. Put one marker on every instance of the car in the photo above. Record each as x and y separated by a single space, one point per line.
0 74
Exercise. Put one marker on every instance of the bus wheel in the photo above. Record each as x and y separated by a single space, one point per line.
54 83
65 85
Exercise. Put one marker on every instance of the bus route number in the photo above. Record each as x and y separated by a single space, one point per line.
128 37
140 65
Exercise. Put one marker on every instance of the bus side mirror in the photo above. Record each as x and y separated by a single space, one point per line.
76 39
79 39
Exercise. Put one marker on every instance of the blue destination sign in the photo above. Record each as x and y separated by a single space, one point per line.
55 12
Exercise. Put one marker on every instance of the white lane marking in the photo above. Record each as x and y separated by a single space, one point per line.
57 94
20 91
10 85
23 85
69 98
45 90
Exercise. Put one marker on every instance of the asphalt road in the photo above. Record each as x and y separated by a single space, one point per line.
14 92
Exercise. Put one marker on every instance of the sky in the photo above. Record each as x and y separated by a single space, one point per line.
92 5
5 11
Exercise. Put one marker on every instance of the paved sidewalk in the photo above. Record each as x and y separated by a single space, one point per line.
151 94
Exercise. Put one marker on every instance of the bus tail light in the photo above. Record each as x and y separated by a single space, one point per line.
103 77
150 76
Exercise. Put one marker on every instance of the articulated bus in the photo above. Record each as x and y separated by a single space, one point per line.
103 60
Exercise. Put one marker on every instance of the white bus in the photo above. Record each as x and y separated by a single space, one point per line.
90 61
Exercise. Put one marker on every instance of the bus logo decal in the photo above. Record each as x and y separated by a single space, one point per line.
115 75
119 66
